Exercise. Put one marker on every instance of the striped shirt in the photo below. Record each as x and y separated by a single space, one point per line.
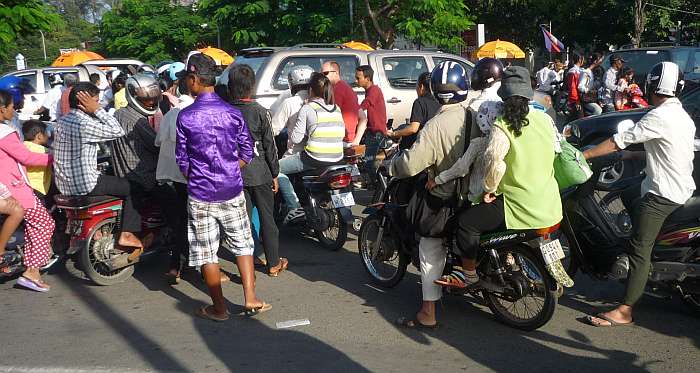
324 129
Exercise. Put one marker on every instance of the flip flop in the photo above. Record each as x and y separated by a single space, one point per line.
283 264
613 323
257 310
32 285
413 323
203 313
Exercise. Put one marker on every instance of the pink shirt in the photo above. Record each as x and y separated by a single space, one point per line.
14 156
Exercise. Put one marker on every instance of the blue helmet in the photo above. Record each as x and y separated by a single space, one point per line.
16 87
449 82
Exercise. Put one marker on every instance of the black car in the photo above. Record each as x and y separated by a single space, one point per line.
642 60
592 130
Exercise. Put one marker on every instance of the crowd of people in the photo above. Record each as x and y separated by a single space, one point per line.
207 154
588 88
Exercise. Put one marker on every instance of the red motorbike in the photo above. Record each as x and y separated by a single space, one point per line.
94 224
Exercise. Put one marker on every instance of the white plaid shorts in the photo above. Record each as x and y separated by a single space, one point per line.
214 223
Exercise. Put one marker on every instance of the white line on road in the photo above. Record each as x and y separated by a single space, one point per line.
375 288
19 369
292 323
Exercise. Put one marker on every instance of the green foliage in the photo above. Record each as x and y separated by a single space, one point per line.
22 17
153 30
435 22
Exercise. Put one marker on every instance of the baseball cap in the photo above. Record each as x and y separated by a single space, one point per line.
199 64
616 57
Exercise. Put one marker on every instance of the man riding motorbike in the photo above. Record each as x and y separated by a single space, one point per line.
434 150
667 133
320 129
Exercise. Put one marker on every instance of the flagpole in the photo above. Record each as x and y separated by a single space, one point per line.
550 49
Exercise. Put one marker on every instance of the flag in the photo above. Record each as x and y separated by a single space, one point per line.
551 42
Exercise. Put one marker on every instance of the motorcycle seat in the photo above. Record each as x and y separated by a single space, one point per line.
81 202
688 212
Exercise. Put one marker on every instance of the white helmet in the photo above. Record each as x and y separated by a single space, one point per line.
141 87
664 79
55 79
299 75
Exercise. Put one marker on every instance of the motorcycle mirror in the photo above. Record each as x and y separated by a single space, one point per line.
625 125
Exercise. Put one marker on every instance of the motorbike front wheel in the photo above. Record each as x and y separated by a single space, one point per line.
383 261
99 248
336 234
527 274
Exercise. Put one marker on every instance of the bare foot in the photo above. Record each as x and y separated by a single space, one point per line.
615 315
129 239
425 319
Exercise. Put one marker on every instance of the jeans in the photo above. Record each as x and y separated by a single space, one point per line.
373 140
290 165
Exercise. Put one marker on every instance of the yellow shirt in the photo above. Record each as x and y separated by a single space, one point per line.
120 99
39 177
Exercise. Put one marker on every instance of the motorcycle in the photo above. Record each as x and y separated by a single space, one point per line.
326 196
520 270
94 224
603 228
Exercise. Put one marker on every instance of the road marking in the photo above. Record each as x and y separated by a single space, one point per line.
20 369
292 323
375 288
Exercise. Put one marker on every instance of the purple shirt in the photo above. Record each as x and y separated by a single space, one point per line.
211 137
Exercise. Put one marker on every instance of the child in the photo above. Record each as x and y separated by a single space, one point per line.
35 139
15 213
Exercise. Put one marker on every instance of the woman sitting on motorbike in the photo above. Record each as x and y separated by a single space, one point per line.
520 189
15 213
39 225
320 124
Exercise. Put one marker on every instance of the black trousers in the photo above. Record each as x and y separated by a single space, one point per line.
118 187
476 220
172 198
264 199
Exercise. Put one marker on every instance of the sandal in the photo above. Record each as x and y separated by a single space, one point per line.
173 277
257 310
456 279
413 323
203 313
35 285
275 271
613 323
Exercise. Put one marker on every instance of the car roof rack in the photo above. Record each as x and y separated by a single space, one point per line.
655 44
257 50
319 45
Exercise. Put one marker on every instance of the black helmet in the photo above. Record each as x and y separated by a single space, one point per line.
486 72
449 82
664 79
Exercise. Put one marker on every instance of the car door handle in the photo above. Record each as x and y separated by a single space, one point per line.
393 100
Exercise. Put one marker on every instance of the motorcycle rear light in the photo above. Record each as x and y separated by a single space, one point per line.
340 181
545 232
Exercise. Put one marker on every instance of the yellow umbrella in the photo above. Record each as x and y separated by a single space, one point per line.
221 57
358 45
500 49
75 58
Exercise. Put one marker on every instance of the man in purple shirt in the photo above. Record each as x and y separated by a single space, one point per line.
213 144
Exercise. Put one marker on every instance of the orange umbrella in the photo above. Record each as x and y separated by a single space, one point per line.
500 49
75 58
358 45
221 57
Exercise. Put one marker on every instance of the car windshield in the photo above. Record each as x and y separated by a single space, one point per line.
256 62
642 61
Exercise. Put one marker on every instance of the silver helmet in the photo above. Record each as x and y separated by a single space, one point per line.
143 93
299 75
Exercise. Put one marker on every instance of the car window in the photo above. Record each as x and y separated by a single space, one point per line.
680 58
347 68
48 74
696 64
691 104
403 72
29 79
437 60
256 62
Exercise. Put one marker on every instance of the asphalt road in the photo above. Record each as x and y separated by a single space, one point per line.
146 325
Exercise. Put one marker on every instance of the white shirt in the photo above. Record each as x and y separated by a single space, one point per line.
668 135
545 77
167 169
610 87
52 99
286 115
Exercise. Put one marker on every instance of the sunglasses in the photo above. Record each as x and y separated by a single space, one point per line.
328 72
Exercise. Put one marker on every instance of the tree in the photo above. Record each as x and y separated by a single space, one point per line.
21 17
436 22
152 30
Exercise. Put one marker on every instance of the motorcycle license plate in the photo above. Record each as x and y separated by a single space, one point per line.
342 200
552 251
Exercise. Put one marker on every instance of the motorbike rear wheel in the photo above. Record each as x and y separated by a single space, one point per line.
385 265
541 289
336 234
102 240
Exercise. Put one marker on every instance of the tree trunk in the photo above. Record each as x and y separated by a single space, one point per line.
639 6
386 37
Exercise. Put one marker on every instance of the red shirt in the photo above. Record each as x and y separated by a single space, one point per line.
376 110
572 81
346 99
